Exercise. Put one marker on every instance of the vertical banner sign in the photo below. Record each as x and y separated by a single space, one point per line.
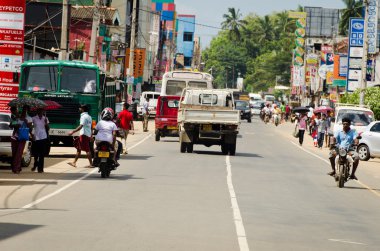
355 54
372 25
12 15
138 62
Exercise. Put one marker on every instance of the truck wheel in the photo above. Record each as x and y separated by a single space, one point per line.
183 147
224 147
232 149
249 120
190 147
157 137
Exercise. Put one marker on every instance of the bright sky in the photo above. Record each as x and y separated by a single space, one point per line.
210 12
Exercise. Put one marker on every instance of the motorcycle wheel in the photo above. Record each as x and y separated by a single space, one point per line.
103 170
108 173
341 177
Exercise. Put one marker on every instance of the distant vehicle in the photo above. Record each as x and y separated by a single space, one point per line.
5 142
175 81
239 95
269 98
360 117
153 96
256 107
369 144
245 110
253 97
166 117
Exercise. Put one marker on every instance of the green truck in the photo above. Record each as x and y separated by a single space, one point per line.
70 84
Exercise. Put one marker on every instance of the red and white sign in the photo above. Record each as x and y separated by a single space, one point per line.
12 18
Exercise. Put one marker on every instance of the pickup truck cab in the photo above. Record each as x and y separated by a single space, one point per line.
360 117
208 117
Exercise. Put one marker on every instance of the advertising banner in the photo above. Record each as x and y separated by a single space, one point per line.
372 26
12 18
355 56
138 62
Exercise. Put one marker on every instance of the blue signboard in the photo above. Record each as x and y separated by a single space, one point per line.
356 32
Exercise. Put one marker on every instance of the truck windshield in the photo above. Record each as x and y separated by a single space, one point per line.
241 104
195 84
358 118
78 80
40 78
175 87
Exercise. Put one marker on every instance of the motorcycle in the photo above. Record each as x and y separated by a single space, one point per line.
276 119
343 164
104 159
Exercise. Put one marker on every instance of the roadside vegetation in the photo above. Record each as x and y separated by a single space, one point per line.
372 97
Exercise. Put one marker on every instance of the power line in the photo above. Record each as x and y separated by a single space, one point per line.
180 20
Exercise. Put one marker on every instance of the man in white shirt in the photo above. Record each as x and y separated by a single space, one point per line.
40 143
145 113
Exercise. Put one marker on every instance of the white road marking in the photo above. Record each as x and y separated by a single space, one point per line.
34 203
347 241
328 162
240 231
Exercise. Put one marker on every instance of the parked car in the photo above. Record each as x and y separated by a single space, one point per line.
153 96
5 143
245 110
369 144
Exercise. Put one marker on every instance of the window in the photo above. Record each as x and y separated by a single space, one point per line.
375 127
173 103
78 80
175 87
188 37
358 118
194 84
188 61
40 78
208 99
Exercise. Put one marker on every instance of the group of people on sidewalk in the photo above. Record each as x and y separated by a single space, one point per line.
26 128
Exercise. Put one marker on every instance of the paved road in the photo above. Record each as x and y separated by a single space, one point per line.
278 198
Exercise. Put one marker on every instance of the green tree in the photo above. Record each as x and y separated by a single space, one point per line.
233 23
372 99
353 9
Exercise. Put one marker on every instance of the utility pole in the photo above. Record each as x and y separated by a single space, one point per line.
94 31
63 52
363 81
133 39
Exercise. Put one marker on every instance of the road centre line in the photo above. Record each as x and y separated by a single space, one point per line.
240 231
347 241
34 203
328 162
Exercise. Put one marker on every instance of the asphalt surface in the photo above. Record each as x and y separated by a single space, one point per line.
273 195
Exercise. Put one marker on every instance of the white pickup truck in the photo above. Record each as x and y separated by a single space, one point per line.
208 117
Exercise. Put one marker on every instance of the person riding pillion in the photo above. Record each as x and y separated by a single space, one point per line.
346 138
106 129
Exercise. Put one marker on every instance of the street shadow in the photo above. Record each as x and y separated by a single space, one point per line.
8 230
96 176
135 157
208 152
248 155
26 183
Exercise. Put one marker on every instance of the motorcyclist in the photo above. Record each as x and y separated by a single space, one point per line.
345 138
276 113
267 112
106 129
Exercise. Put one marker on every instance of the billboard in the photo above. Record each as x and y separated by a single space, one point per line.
12 13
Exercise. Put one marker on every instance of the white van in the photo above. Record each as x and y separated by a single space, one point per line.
360 117
269 99
153 97
253 97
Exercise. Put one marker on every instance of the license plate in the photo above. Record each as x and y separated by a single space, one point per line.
103 154
172 127
207 127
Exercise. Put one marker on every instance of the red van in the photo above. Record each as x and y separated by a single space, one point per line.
166 117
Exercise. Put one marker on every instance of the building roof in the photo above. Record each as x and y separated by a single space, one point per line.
107 14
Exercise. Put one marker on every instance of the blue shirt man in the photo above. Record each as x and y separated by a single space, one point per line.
345 139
